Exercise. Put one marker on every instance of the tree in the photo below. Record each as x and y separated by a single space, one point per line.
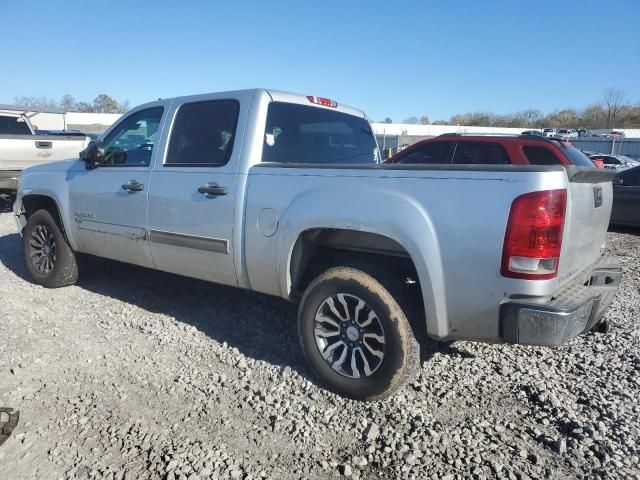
532 117
593 116
36 103
388 120
103 103
614 100
424 120
411 120
68 103
84 107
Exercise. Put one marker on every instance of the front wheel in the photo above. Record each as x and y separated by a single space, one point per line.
47 255
355 334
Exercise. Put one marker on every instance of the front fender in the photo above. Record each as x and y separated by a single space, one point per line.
54 186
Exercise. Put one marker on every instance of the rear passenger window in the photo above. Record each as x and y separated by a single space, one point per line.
305 134
13 126
480 153
431 153
203 134
540 156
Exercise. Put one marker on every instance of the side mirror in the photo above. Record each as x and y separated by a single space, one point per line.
93 155
617 181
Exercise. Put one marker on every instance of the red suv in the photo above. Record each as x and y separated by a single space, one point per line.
458 149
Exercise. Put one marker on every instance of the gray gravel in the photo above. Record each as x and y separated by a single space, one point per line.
139 374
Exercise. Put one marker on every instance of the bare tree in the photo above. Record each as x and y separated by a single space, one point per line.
68 103
411 120
36 103
424 120
614 102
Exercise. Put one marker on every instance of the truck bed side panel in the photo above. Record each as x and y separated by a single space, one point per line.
451 222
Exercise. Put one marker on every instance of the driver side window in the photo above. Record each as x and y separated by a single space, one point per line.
131 143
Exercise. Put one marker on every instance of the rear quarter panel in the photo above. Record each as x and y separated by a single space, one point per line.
451 222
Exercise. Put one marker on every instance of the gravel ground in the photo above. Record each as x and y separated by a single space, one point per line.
139 374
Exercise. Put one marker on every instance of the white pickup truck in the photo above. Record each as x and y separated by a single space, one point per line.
21 146
284 194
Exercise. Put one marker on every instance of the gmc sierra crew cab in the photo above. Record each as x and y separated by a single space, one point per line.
285 194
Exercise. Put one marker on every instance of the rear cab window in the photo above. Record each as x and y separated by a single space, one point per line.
10 125
305 134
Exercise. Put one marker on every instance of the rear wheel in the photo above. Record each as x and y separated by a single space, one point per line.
355 334
48 257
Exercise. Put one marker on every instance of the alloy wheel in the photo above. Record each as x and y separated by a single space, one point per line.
349 335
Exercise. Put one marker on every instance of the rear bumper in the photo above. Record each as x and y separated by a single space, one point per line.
9 180
571 312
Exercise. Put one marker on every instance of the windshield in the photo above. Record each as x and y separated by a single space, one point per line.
305 134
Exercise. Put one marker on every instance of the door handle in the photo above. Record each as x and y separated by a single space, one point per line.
133 186
43 144
212 189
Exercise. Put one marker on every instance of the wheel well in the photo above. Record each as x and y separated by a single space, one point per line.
318 249
33 203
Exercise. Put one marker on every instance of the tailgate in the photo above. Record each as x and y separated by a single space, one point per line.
589 201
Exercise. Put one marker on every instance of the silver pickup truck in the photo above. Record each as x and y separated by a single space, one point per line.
284 194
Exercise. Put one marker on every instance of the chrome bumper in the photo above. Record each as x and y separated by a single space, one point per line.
571 312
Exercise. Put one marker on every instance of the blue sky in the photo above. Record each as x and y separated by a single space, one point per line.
391 59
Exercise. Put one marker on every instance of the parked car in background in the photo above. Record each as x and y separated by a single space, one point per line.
284 194
469 149
614 134
566 133
615 162
549 132
583 132
626 198
537 133
21 146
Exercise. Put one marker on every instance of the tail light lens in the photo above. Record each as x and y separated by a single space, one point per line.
533 238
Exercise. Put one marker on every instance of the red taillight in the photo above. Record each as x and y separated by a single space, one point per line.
534 235
325 102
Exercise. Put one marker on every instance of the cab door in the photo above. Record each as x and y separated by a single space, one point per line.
193 190
109 202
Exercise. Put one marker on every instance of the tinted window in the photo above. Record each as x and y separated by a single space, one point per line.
631 178
131 142
203 133
576 156
433 153
13 126
480 153
610 161
541 156
305 134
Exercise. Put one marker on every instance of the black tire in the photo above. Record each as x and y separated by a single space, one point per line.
382 293
61 268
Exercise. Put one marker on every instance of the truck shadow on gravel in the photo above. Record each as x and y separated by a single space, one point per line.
260 326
